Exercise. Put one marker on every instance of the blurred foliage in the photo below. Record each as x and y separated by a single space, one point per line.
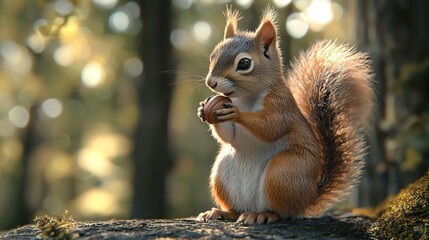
408 124
68 104
67 83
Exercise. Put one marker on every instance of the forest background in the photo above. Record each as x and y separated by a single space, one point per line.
98 99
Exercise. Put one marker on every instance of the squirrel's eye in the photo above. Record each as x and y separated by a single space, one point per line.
244 64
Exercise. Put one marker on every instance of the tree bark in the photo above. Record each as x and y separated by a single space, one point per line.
395 33
151 145
314 228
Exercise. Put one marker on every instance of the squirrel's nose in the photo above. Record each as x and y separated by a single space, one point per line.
211 83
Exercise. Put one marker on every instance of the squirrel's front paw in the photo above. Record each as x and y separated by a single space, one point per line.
229 113
200 110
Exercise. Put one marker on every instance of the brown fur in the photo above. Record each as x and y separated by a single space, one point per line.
219 194
332 86
292 189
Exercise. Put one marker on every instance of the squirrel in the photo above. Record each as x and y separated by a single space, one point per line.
289 146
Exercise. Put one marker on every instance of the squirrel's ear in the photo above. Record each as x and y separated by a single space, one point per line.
266 33
232 18
230 30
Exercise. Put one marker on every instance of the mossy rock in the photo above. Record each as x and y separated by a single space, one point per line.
407 214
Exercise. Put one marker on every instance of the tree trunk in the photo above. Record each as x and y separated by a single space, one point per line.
395 33
151 145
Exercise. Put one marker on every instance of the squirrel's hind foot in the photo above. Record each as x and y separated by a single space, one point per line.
217 214
250 218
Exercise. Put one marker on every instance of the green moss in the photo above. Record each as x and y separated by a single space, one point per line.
59 227
407 214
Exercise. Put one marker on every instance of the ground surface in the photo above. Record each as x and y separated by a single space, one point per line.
317 228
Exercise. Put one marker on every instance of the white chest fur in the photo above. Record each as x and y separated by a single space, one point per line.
242 175
241 163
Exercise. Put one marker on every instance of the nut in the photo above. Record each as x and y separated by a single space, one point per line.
213 104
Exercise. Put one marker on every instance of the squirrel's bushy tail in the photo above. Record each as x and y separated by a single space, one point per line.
332 85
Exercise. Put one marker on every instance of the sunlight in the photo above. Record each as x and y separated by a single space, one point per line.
100 148
11 52
180 39
64 55
106 4
182 4
202 31
244 3
58 164
337 10
36 42
112 145
205 2
282 3
95 162
133 67
119 21
301 4
74 45
296 25
320 13
63 7
97 202
53 204
133 9
17 60
92 75
52 107
19 116
70 30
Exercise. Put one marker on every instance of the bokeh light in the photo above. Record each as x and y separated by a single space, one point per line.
95 162
63 7
180 39
133 67
119 21
202 31
92 75
36 42
52 107
282 3
301 4
133 9
16 59
98 202
296 25
19 116
244 3
64 55
182 4
106 4
319 13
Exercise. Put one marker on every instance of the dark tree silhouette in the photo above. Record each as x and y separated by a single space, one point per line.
151 146
395 33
